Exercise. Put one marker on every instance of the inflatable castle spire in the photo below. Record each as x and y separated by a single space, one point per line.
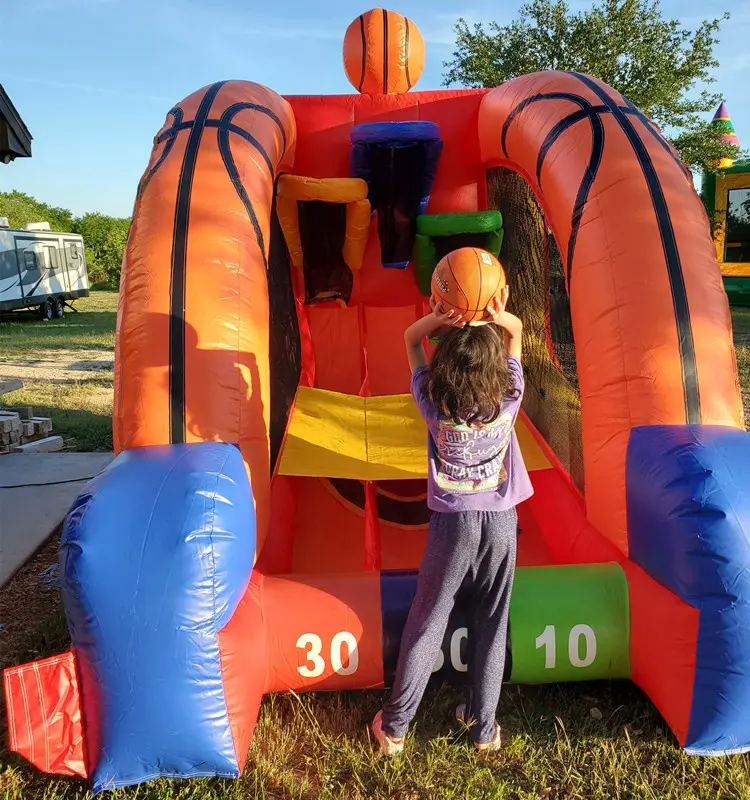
722 122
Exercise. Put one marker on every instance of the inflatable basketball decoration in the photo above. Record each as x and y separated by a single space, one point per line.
383 53
262 525
466 280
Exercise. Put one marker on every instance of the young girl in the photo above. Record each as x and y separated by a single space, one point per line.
470 396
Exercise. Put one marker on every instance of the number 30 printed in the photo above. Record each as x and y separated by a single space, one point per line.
342 643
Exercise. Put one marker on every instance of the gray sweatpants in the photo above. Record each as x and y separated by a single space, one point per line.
473 552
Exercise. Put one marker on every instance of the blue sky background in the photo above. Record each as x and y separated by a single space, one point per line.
93 79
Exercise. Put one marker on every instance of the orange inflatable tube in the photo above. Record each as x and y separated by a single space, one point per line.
650 316
198 251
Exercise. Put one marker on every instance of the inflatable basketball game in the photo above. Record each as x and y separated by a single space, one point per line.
261 527
725 196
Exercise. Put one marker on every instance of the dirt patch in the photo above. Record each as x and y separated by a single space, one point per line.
31 616
59 365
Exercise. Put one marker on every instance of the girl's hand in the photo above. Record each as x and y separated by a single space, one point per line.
447 317
504 319
495 306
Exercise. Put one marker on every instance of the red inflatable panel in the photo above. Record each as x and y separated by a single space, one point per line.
663 640
323 632
44 715
242 643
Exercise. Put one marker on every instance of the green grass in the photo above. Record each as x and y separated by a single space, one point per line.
318 747
741 324
93 328
81 410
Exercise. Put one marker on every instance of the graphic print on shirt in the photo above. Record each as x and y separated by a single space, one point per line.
471 459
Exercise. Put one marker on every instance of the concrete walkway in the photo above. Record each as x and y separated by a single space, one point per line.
36 491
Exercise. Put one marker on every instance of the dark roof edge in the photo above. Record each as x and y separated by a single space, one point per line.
8 110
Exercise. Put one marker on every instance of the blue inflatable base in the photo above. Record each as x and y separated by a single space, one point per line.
688 500
156 554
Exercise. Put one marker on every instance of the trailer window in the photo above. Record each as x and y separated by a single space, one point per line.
73 250
737 240
51 258
29 260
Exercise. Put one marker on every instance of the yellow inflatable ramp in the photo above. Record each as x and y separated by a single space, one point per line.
332 435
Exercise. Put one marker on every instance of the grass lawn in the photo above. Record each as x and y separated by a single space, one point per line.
741 322
92 328
81 409
570 742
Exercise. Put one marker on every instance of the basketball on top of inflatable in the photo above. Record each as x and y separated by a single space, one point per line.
383 53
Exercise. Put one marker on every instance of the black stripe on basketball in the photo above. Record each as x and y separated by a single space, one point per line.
235 108
234 175
458 285
179 269
406 54
364 50
661 141
171 136
581 102
225 127
385 52
479 287
671 253
593 114
559 128
582 196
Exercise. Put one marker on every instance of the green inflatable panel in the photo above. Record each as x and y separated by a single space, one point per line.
738 290
452 224
480 228
570 623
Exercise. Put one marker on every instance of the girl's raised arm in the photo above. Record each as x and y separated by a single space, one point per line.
418 331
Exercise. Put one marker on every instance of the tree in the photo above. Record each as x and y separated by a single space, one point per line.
655 62
20 208
104 237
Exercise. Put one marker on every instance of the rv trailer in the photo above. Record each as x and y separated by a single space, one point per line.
40 270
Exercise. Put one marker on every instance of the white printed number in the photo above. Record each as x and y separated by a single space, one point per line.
343 648
455 650
548 640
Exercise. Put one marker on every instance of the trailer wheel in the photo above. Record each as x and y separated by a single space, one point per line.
59 307
47 310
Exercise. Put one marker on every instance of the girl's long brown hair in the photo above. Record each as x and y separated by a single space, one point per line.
469 374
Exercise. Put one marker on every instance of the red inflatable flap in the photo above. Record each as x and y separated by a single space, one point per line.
44 714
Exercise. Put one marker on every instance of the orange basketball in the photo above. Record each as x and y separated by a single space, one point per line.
466 280
383 53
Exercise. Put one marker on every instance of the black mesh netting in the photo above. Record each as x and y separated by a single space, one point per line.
322 228
539 297
284 350
447 244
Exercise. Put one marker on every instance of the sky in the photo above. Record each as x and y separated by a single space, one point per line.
93 79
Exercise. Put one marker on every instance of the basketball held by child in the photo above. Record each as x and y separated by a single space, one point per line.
466 281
